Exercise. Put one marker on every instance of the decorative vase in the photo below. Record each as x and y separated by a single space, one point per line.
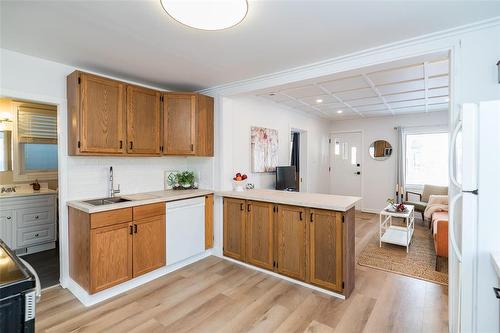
239 185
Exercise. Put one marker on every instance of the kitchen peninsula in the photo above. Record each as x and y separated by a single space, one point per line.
308 237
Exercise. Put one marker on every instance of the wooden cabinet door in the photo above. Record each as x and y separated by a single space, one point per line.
234 228
179 124
102 115
259 234
143 121
325 269
291 241
205 126
149 245
209 221
110 256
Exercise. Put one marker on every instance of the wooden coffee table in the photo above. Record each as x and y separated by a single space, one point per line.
399 235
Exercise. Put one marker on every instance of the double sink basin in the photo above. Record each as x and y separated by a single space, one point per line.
106 201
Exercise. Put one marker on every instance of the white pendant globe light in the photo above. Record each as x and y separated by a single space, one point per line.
207 14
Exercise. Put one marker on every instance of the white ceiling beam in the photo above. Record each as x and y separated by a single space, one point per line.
375 90
426 86
338 99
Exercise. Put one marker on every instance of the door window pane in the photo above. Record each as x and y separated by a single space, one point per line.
426 159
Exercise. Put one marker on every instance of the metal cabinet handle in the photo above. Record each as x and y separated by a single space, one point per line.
36 235
121 144
311 217
242 206
300 216
131 230
135 228
9 217
131 144
497 292
249 207
36 217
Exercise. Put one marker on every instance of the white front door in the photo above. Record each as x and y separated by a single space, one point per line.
345 164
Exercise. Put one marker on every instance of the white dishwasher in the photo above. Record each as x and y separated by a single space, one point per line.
185 229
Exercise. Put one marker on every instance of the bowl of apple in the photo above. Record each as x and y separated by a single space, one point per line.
239 182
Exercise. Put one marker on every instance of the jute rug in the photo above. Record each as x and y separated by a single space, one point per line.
419 262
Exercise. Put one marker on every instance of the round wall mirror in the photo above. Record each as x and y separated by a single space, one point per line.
380 150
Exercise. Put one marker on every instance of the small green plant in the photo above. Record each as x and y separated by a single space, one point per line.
185 178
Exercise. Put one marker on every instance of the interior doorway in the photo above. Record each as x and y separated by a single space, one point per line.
345 163
298 158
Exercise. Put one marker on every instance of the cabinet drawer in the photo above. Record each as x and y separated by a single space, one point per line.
36 234
110 217
32 216
142 212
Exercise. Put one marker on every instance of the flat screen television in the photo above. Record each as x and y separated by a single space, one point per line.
285 178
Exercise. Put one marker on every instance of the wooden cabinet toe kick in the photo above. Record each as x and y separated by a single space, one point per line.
315 246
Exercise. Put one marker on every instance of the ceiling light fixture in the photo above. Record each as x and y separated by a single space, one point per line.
339 111
207 14
319 100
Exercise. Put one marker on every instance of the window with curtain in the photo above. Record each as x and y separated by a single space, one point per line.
37 140
426 159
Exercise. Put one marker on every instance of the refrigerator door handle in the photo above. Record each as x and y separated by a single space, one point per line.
451 221
452 155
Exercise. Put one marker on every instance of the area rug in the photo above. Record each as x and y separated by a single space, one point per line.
419 262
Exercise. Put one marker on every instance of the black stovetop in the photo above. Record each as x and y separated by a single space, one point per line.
14 276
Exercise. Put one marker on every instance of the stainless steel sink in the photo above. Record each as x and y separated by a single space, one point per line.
106 201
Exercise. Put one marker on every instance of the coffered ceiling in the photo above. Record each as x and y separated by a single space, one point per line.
409 86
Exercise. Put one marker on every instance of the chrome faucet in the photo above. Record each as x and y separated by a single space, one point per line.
112 190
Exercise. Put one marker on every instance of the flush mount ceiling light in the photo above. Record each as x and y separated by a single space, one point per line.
339 111
319 100
207 14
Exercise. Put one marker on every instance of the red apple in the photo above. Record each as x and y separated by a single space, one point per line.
244 177
238 174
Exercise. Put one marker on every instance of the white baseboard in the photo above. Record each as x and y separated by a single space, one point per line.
88 300
303 284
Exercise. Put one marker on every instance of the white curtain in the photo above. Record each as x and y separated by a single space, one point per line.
400 172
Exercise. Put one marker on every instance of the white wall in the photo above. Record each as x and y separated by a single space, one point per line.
241 113
379 177
30 78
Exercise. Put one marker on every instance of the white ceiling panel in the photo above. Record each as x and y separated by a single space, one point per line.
313 100
300 92
356 94
397 75
368 108
438 82
350 83
403 104
365 101
401 87
437 92
438 68
405 96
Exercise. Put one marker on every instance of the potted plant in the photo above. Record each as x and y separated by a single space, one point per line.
185 179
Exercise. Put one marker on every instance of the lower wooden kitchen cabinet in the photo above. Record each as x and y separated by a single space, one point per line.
109 248
209 221
315 246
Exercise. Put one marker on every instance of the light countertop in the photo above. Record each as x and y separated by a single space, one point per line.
495 259
140 199
27 193
314 200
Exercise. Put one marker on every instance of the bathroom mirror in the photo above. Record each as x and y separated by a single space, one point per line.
380 150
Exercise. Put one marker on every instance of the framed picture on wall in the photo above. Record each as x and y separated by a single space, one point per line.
264 149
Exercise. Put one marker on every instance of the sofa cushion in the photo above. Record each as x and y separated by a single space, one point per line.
432 189
419 205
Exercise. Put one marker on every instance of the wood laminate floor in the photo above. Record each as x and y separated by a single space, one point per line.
46 265
215 295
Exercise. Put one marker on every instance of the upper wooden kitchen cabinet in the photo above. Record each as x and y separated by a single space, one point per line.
143 121
179 123
96 115
188 124
234 228
291 235
325 242
259 234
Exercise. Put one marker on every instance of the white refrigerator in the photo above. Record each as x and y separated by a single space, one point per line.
473 223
